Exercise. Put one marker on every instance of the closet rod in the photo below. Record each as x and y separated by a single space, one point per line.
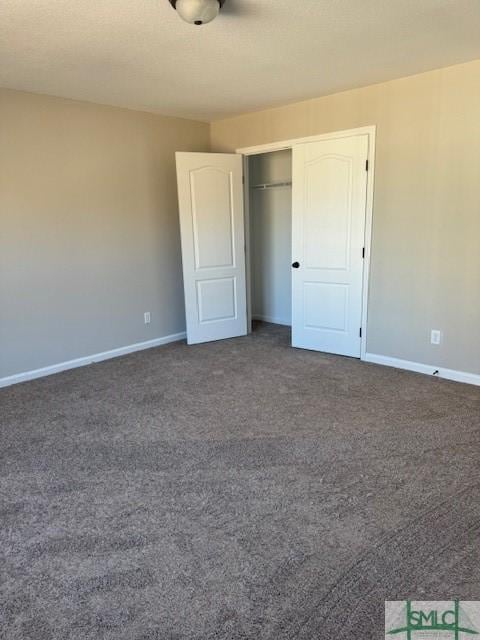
272 185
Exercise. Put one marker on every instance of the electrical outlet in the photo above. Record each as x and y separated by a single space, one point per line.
146 317
435 336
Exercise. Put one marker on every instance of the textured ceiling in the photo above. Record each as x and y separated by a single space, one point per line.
256 54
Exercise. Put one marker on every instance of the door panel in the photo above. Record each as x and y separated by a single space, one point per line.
328 233
216 299
212 212
210 194
332 313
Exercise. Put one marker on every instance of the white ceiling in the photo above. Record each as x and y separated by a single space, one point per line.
256 54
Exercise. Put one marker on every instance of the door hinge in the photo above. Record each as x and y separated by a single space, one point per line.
363 252
243 179
360 332
366 165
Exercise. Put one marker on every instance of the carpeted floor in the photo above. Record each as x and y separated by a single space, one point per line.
239 490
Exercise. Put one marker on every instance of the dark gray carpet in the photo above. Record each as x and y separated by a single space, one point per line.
240 489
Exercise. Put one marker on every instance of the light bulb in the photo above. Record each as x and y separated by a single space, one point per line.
197 11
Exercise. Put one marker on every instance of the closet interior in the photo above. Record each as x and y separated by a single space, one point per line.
270 230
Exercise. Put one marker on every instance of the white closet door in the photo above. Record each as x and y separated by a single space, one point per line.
328 232
210 194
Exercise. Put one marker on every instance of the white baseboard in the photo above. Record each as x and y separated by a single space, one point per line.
96 357
449 374
440 372
271 319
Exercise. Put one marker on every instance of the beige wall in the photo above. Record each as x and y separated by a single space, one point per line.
426 226
89 236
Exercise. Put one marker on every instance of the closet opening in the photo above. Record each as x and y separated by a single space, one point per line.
269 238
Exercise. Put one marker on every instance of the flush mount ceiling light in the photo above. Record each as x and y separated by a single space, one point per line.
197 11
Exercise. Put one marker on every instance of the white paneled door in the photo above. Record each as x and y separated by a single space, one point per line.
328 238
210 194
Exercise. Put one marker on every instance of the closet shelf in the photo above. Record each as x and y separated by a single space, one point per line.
272 185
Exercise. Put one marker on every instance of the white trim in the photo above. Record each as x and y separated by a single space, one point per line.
271 319
438 372
288 144
96 357
370 131
246 222
368 237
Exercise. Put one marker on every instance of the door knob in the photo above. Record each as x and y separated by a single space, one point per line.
295 265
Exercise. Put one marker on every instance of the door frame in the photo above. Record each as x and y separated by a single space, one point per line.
370 131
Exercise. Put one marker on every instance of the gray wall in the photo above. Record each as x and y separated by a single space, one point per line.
89 228
426 220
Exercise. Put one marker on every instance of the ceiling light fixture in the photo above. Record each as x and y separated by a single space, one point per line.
197 11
